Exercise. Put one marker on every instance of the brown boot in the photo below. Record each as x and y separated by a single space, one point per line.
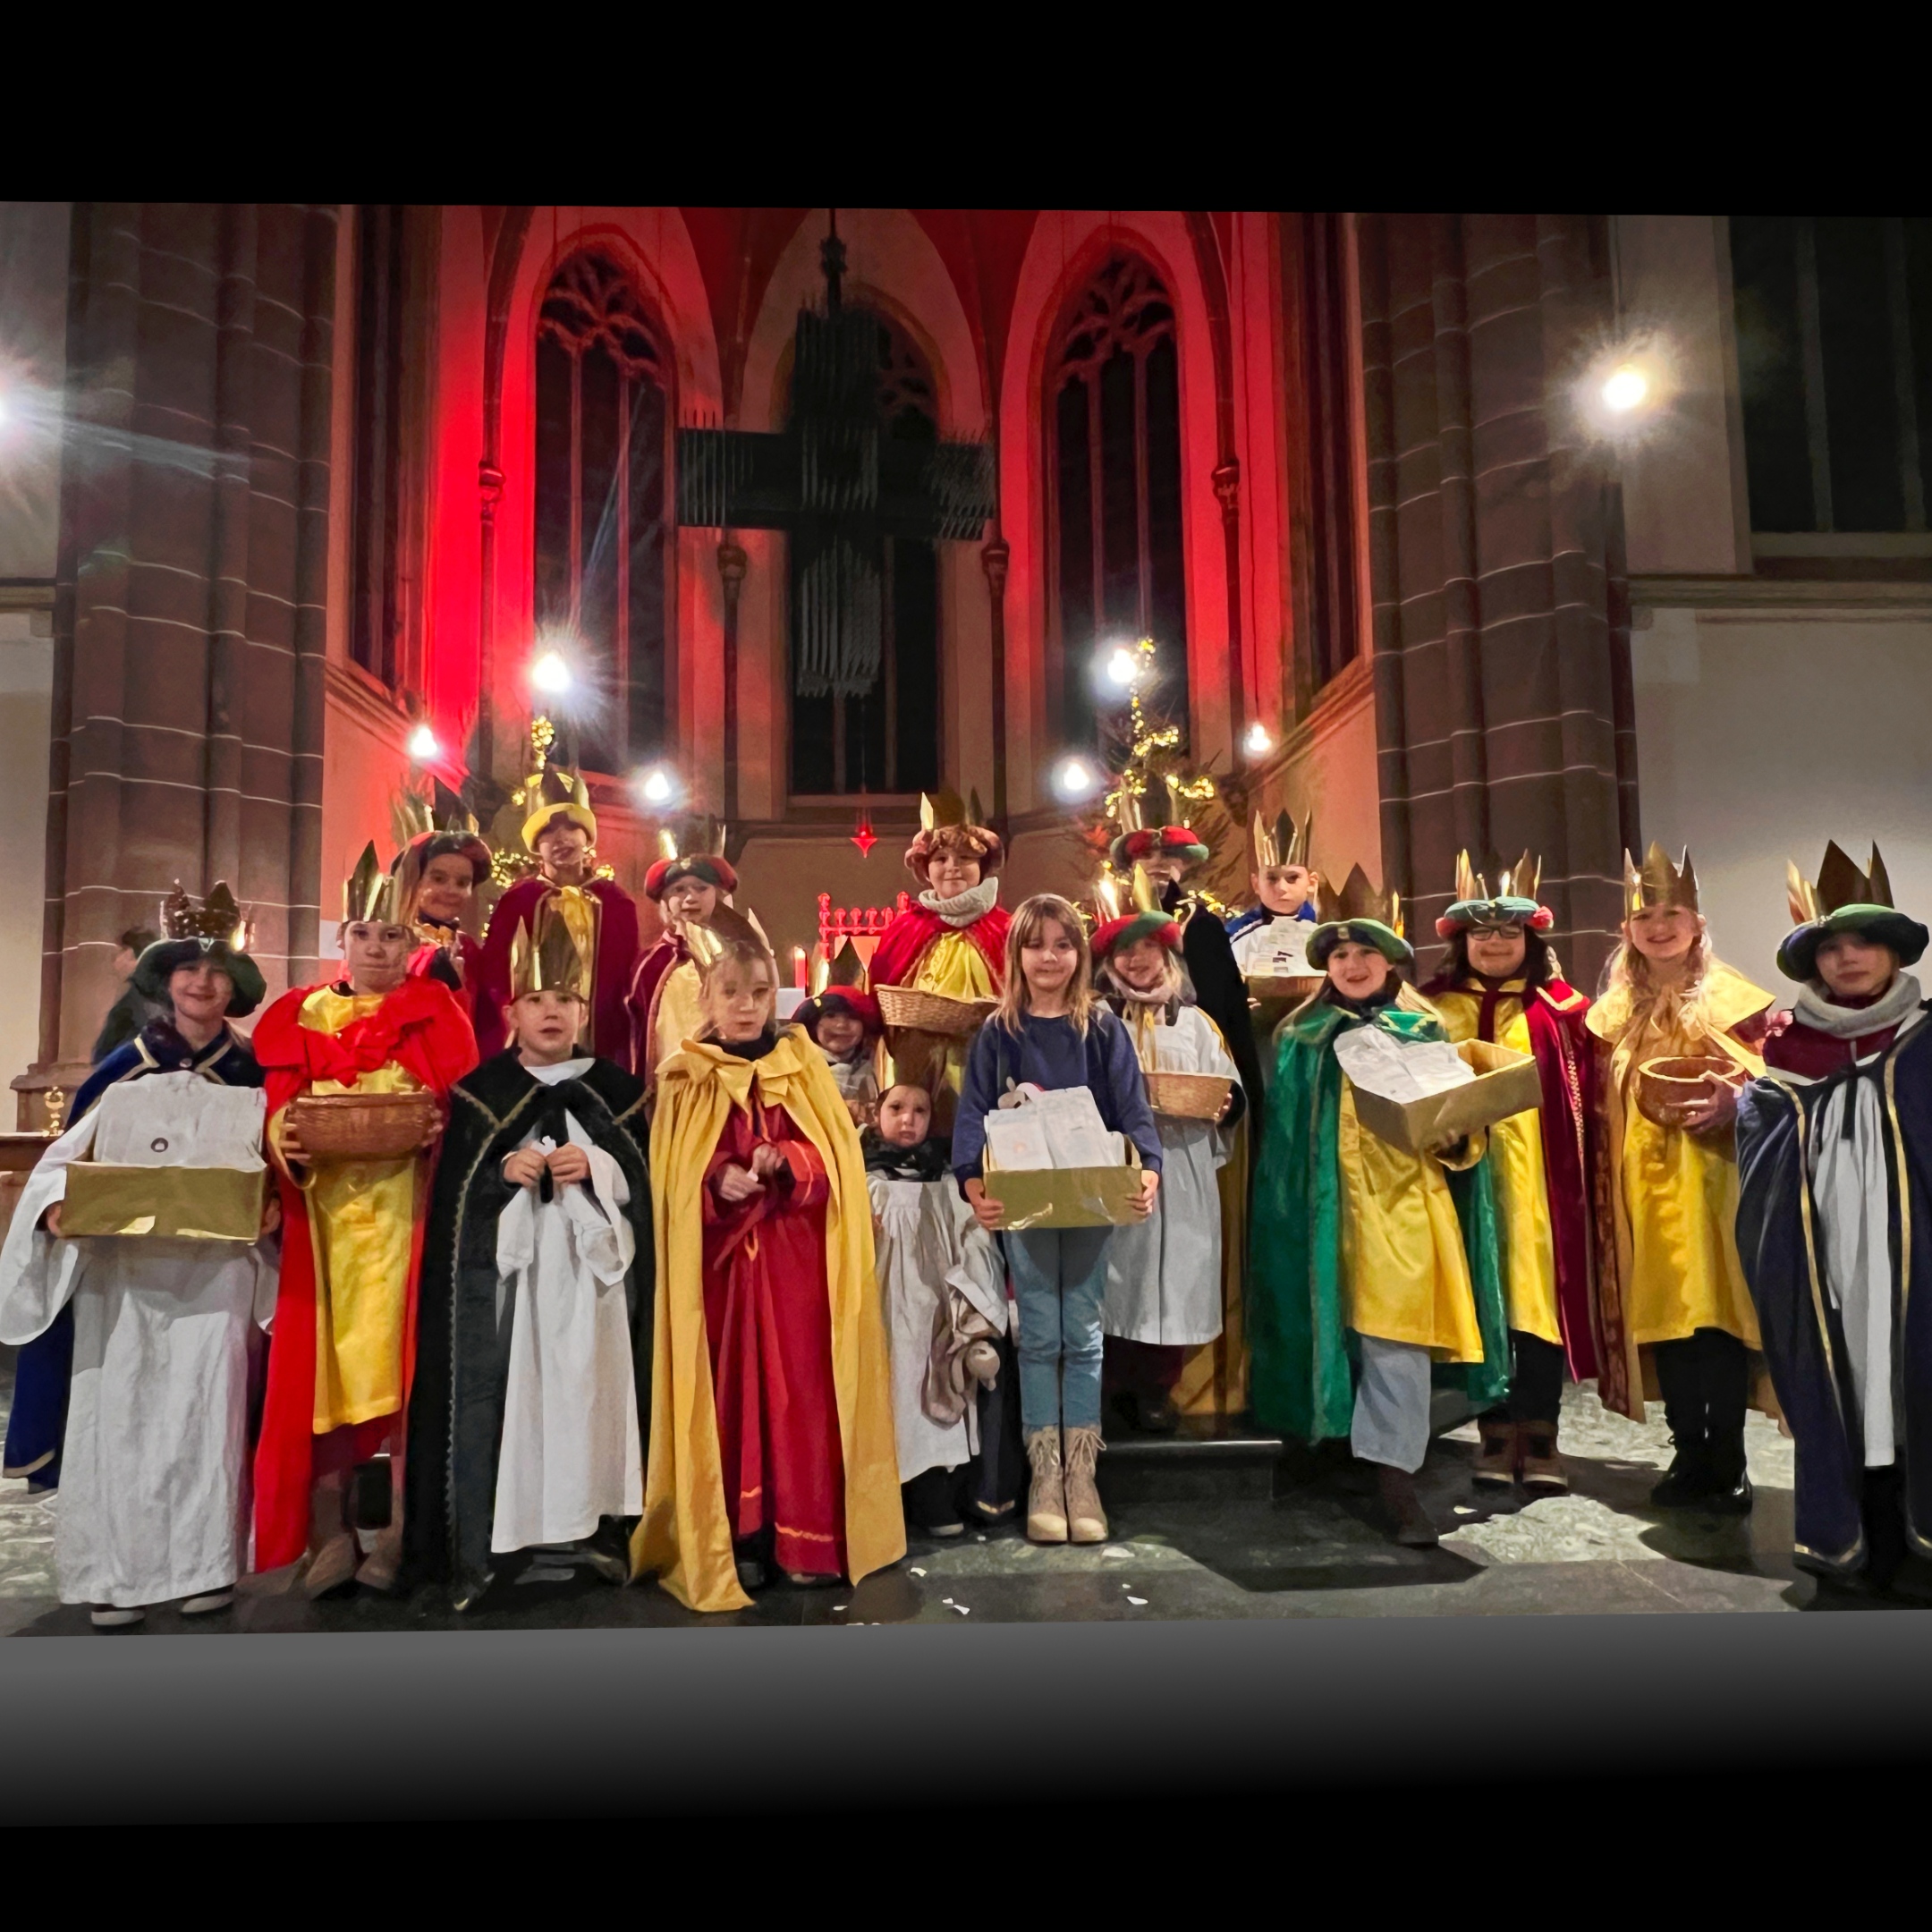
1542 1469
1502 1446
1086 1520
1407 1520
1045 1519
333 1551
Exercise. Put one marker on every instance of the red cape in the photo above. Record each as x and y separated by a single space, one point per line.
1566 1065
616 961
421 1027
667 951
912 934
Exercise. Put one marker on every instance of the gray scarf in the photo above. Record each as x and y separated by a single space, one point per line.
967 906
1814 1009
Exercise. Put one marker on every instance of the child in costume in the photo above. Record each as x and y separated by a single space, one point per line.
771 1422
952 942
943 1283
560 828
1164 1274
1500 983
158 1335
533 1353
1670 1278
1270 939
343 1349
845 1026
687 888
1834 1219
1371 1265
438 874
1052 1031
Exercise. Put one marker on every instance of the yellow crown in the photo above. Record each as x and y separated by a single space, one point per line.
1358 899
1839 883
372 894
1287 842
1660 882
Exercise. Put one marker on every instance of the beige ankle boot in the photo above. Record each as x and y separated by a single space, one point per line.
1086 1520
1045 1519
333 1551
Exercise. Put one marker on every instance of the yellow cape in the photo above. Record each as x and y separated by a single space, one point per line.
685 1534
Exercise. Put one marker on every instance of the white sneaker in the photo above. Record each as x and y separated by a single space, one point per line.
207 1603
106 1617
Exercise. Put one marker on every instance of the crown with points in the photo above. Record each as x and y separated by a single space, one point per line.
1358 899
1839 884
728 927
216 917
1288 842
1520 881
845 969
549 959
947 807
372 893
1658 882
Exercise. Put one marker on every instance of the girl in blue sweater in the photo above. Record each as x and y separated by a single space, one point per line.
1052 1031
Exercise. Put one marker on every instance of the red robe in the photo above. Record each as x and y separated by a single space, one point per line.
616 961
422 1028
912 934
769 1324
652 968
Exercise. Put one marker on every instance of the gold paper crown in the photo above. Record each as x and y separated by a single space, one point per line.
1660 882
1287 842
706 944
1358 900
216 917
372 894
411 814
550 962
947 807
1840 883
1522 880
704 838
549 790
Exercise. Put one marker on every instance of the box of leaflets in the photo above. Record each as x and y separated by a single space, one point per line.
174 1156
1417 1093
1051 1162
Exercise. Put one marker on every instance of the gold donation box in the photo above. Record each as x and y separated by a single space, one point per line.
1506 1082
163 1203
1064 1197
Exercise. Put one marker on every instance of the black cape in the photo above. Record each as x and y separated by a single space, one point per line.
1785 1263
463 1349
1219 990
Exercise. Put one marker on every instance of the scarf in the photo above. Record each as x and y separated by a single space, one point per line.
930 1160
964 908
1890 1008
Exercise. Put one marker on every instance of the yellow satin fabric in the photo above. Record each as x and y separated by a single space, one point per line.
680 1011
954 968
361 1221
1516 1172
1675 1193
1406 1275
685 1532
578 910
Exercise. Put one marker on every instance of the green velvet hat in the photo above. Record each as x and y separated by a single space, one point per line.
1361 915
213 930
1844 899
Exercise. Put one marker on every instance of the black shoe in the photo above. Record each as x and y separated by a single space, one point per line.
752 1575
1688 1480
1156 1414
1727 1488
930 1505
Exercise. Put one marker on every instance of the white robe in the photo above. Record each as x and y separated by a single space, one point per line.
1163 1273
571 1450
929 1236
155 1467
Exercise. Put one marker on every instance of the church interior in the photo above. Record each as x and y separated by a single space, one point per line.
1450 533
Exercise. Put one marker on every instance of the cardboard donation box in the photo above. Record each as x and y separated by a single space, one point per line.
1420 1094
174 1156
1051 1162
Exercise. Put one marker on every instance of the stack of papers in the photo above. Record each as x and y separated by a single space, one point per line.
179 1120
1289 959
1400 1070
1060 1128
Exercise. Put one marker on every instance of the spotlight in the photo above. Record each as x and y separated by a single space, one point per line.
1627 388
1122 668
1074 780
1257 742
551 675
656 786
423 745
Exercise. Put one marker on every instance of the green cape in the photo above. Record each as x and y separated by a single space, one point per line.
1303 1377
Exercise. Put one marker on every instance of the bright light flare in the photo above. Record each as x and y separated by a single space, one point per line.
1122 668
423 745
656 786
1626 389
550 674
1257 742
1073 779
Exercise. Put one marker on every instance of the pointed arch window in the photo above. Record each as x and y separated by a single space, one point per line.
604 542
1118 569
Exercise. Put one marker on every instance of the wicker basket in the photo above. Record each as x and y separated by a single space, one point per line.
353 1126
914 1011
1188 1096
1667 1088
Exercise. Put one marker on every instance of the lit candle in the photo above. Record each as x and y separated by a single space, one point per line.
797 968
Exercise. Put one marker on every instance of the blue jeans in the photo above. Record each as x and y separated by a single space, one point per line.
1059 1277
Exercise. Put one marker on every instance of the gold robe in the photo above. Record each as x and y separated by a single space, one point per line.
1527 1242
685 1533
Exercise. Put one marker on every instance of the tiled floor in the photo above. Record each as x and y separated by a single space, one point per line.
1314 1550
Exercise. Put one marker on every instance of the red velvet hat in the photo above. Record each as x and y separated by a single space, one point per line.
1169 842
862 1006
666 872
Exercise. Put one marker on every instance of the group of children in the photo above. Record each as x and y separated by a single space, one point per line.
619 1272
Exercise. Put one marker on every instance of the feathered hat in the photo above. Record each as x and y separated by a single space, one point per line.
547 959
1286 842
1842 900
699 855
1361 913
1138 841
948 822
1514 902
193 930
1658 882
1145 920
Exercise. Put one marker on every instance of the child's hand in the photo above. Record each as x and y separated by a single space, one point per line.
271 1215
525 1168
51 1220
570 1164
1143 1204
737 1185
989 1211
1228 1100
766 1159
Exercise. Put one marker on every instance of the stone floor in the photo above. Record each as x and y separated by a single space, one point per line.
1190 1542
